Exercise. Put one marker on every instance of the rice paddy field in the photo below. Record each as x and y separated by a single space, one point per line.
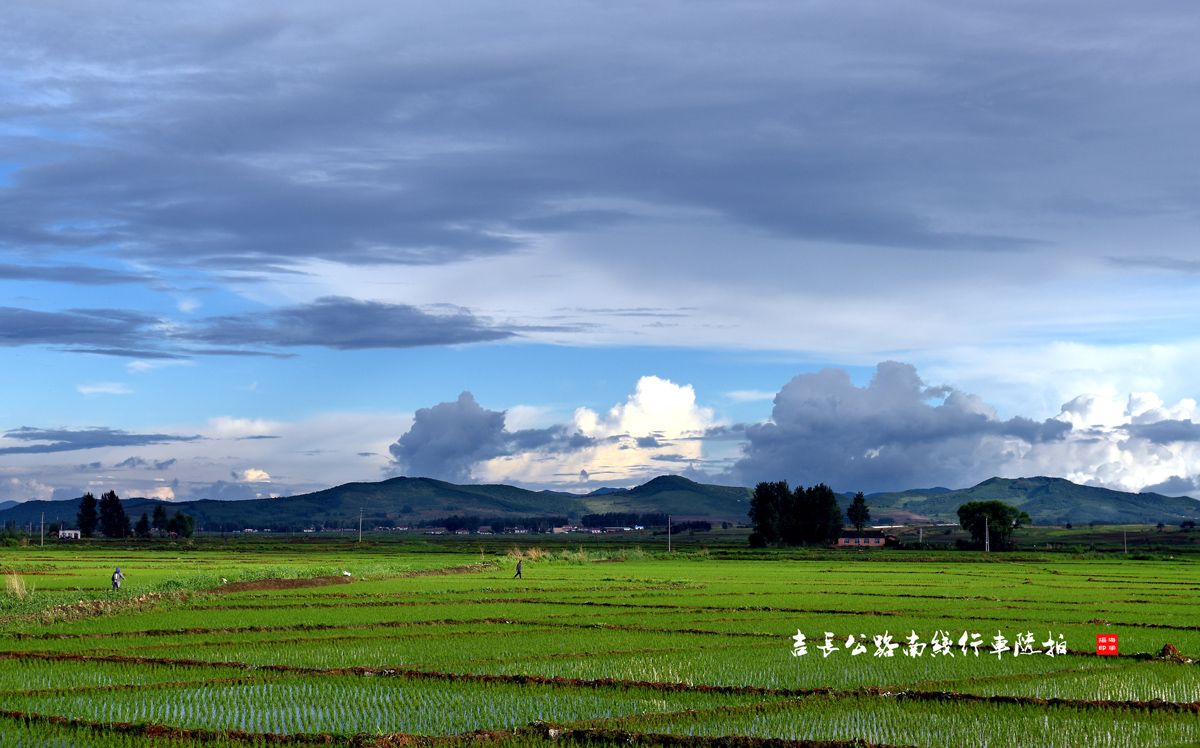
397 645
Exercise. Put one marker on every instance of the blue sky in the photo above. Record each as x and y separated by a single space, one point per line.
257 250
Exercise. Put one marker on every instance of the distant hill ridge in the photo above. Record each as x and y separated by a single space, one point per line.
403 501
1047 500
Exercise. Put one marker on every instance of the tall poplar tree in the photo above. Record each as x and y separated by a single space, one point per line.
767 508
87 519
114 523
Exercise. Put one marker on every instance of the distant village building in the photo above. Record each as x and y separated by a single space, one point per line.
69 535
865 539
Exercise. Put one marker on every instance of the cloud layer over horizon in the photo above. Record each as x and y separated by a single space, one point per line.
894 433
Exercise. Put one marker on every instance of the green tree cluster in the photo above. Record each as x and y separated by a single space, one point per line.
114 522
11 535
109 516
181 524
806 516
995 519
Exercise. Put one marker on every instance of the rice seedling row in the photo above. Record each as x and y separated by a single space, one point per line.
365 705
940 723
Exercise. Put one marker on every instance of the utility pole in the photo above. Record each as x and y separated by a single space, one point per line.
43 541
921 535
1125 537
360 525
987 536
668 533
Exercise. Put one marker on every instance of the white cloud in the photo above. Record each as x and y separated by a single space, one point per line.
251 475
162 492
654 431
104 388
750 396
656 407
1105 448
228 427
25 489
140 365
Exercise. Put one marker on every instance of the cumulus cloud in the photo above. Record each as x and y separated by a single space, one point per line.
461 441
891 433
447 440
166 493
897 432
251 475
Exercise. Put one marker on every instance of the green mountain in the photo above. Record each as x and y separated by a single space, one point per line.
1047 500
403 501
679 497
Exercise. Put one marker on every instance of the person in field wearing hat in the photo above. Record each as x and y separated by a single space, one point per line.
117 578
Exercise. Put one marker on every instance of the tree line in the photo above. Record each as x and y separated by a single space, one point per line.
812 516
804 516
110 518
472 523
624 519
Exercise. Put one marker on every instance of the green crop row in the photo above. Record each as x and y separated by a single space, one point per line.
375 705
938 724
512 643
774 667
17 675
1142 681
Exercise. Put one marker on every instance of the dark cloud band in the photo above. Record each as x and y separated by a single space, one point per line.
333 322
66 440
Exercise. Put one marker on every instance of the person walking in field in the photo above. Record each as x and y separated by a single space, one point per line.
117 578
518 574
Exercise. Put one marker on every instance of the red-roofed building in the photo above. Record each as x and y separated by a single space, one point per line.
865 539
